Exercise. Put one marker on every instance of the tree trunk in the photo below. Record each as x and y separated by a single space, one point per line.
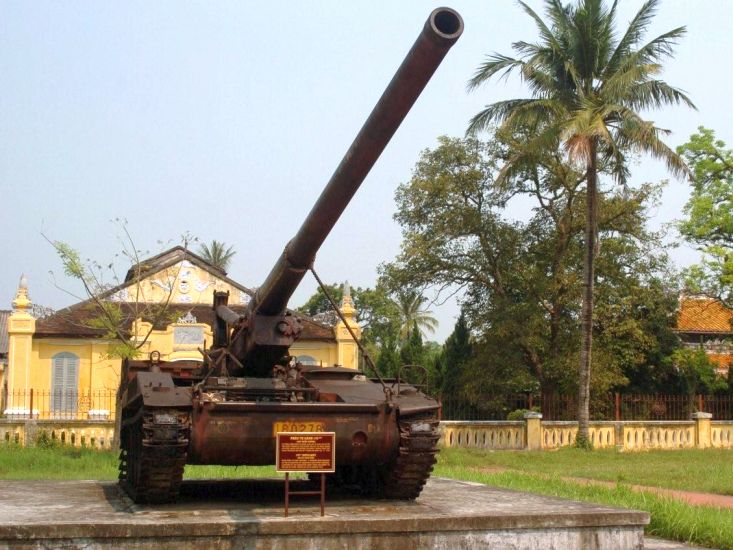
586 319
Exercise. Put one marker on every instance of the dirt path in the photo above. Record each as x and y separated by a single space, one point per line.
691 497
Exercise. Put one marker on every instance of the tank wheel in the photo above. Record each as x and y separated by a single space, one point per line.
405 477
153 446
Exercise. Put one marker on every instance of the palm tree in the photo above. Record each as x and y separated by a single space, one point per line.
412 314
217 254
588 85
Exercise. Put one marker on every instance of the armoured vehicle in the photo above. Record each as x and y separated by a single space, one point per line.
226 409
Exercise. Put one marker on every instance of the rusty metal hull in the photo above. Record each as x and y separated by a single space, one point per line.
244 433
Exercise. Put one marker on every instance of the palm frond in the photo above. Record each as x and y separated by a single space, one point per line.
642 135
632 36
655 94
658 48
620 82
496 112
545 33
494 64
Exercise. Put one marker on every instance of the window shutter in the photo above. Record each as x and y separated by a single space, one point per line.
64 382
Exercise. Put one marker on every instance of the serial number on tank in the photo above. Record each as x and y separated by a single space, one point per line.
307 426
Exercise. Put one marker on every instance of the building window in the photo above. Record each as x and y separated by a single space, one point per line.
64 385
307 360
188 336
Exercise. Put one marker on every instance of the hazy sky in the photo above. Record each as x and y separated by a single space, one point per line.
225 119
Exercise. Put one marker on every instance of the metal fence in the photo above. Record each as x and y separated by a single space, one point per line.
100 405
58 405
612 406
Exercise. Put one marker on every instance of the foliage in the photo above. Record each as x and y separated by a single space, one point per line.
127 323
518 414
383 320
709 211
412 314
588 85
388 361
318 303
457 352
697 372
522 279
217 254
412 353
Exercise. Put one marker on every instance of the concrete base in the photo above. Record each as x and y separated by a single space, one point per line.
249 514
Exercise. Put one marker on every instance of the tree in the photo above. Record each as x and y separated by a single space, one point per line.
412 314
587 89
412 351
377 314
217 254
522 279
709 211
457 351
697 373
127 323
388 361
318 303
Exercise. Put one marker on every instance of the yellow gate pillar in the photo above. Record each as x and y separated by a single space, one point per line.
21 326
347 351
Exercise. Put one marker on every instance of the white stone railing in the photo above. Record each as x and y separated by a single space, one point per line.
93 434
721 434
660 435
534 434
483 435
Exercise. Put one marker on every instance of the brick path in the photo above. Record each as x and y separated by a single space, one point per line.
691 497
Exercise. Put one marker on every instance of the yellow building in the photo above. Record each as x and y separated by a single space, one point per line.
62 366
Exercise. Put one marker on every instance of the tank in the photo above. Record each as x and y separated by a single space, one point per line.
227 409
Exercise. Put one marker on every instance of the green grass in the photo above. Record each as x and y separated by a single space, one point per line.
670 519
546 473
61 463
536 472
708 471
56 463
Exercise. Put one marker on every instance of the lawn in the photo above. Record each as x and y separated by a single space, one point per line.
708 471
547 473
60 463
537 472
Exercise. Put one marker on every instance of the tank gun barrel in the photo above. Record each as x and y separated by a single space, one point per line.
443 27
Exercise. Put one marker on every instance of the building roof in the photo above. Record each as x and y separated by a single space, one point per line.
4 314
704 315
76 321
168 258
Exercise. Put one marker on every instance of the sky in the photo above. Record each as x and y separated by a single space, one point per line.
224 120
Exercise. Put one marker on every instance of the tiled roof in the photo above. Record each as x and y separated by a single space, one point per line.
74 321
166 259
723 361
703 315
4 314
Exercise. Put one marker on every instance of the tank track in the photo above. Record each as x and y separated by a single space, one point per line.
153 448
405 478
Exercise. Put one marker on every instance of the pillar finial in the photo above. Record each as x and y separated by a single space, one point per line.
22 302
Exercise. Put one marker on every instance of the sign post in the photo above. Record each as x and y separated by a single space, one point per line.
310 452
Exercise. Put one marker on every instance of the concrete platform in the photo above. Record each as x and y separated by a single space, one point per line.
249 514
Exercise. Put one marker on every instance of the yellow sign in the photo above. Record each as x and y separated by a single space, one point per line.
300 426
